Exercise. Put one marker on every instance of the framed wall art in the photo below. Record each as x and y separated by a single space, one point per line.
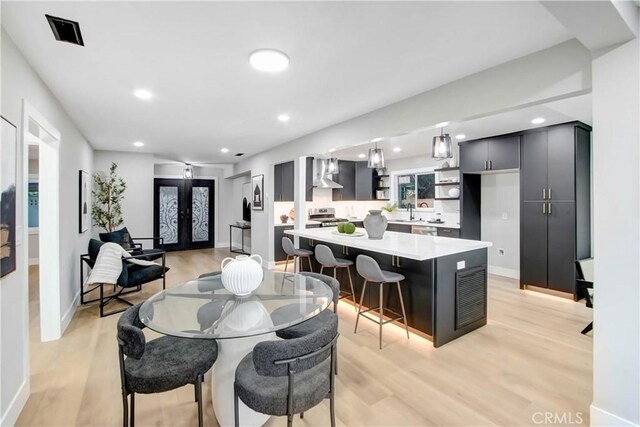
257 185
8 179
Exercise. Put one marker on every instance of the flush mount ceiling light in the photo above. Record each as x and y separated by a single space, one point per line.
284 118
224 150
441 147
397 149
269 60
374 140
138 144
538 120
188 171
376 156
442 125
332 150
461 136
143 94
362 155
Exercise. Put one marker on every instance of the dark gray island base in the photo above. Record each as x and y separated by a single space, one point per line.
445 296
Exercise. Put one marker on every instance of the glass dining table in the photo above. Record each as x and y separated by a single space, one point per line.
204 309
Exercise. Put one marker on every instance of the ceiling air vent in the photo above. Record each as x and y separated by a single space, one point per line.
239 154
65 30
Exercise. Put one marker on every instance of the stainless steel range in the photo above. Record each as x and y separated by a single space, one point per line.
325 216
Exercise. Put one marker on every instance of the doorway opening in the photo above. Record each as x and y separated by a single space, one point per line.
183 213
42 140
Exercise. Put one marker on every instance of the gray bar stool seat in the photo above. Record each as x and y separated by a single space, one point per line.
369 269
293 253
326 259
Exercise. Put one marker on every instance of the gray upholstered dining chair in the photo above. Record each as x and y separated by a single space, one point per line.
162 364
291 376
293 253
326 259
369 269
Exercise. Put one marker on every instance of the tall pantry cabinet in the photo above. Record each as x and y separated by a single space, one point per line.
555 194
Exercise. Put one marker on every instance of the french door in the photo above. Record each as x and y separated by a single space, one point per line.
183 213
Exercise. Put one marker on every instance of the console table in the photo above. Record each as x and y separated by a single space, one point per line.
242 229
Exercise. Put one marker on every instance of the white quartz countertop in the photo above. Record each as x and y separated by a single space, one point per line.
444 224
291 223
406 245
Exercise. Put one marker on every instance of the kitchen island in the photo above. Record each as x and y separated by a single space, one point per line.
445 286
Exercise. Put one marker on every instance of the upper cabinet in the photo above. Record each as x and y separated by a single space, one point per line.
491 154
283 178
357 180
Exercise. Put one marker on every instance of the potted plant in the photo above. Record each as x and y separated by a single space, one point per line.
389 210
108 193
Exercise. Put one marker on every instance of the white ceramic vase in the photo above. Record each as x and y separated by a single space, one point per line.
242 275
454 192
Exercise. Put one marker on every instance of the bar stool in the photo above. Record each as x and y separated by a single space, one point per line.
369 269
292 252
325 258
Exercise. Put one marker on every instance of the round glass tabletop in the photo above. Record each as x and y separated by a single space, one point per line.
203 308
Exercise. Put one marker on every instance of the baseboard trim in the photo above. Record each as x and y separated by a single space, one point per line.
68 315
10 417
600 417
505 272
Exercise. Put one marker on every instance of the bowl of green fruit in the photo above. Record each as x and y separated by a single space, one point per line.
348 229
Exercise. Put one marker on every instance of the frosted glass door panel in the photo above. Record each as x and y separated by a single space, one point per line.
169 214
200 214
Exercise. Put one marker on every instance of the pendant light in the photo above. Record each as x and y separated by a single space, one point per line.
441 147
376 157
188 171
332 166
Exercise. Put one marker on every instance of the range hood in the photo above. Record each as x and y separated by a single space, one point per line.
322 179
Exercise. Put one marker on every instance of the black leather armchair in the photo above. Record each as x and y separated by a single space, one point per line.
124 239
131 279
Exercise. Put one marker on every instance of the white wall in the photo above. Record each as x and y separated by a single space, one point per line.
228 208
136 169
19 81
561 71
500 198
616 189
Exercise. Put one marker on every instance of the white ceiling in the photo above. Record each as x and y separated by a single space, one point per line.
347 58
418 143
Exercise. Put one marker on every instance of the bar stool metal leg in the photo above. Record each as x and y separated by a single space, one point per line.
353 292
286 264
404 315
381 312
364 289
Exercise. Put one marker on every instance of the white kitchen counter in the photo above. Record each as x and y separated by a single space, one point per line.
406 245
291 223
419 223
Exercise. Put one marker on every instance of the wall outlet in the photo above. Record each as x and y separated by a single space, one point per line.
504 215
501 252
461 265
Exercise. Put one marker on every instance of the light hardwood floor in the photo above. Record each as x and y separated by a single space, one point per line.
529 358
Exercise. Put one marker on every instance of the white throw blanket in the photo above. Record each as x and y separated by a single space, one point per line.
108 266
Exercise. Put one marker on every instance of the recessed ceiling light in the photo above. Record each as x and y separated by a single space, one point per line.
397 149
284 118
442 124
331 150
362 155
538 120
224 150
269 60
143 94
139 144
377 139
461 136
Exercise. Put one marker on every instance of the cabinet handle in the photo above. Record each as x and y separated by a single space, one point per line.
544 194
490 164
398 261
485 165
549 194
549 209
393 260
544 209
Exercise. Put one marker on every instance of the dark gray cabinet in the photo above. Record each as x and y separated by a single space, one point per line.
401 228
490 154
365 181
283 177
554 181
278 234
346 177
449 232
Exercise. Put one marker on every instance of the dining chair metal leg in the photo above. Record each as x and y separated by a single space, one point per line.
236 406
310 265
353 293
301 415
125 410
381 311
132 423
364 288
321 269
199 399
404 315
289 420
332 387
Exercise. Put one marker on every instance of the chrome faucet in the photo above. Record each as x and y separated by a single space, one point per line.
410 209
